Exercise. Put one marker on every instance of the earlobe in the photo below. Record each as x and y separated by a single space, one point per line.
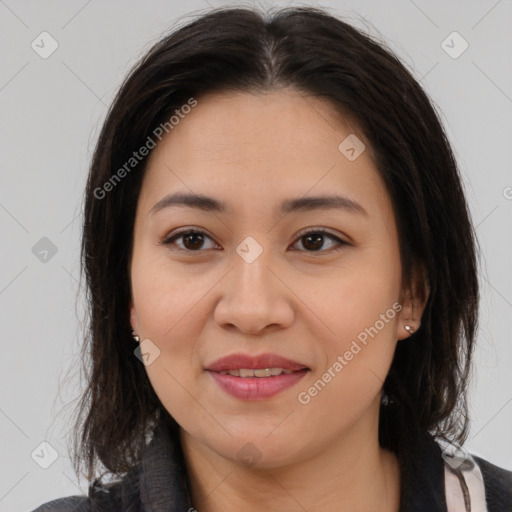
414 303
134 322
409 323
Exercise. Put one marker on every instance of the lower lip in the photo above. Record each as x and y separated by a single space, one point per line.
256 388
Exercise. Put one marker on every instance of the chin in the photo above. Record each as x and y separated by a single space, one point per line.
261 449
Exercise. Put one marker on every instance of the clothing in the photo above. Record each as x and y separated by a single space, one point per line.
159 484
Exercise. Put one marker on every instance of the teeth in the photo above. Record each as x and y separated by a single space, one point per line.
267 372
263 372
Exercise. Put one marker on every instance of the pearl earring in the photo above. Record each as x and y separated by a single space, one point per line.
409 329
135 336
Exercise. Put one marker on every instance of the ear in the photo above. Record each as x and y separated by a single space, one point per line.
413 298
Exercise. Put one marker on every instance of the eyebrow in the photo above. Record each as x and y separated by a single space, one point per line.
210 204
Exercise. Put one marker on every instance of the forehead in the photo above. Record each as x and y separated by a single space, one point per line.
245 147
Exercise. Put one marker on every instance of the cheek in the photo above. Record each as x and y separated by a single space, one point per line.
359 305
355 298
168 304
357 360
164 296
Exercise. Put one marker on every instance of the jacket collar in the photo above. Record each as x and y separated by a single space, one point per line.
163 480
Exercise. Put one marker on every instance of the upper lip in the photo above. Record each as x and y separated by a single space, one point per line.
237 361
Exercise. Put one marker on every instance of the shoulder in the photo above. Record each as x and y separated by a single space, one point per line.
120 495
498 485
68 504
157 478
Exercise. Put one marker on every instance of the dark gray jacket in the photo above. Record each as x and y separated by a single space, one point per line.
159 484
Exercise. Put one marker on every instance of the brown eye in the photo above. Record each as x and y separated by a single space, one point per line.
191 240
314 240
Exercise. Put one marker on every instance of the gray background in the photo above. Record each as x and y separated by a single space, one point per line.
51 112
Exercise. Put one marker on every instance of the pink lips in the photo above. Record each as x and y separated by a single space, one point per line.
255 388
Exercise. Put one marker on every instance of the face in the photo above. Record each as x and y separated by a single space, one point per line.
266 275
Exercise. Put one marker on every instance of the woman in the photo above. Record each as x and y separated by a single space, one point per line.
282 282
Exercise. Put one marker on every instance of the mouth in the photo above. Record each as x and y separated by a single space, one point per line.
256 377
245 373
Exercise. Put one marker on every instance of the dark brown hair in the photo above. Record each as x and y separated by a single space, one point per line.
321 56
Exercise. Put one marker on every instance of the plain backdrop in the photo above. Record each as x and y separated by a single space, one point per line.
51 112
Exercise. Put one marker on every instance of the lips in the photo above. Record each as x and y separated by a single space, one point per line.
238 361
245 382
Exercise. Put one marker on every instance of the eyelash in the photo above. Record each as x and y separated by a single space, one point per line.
169 240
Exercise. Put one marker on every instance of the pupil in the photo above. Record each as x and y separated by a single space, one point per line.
318 241
194 237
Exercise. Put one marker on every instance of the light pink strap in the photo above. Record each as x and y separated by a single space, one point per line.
472 485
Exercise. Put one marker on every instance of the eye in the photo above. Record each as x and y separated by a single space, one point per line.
314 240
192 240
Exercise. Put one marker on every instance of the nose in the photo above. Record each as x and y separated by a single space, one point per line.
255 298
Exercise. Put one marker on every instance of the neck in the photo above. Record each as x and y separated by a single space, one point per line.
354 474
